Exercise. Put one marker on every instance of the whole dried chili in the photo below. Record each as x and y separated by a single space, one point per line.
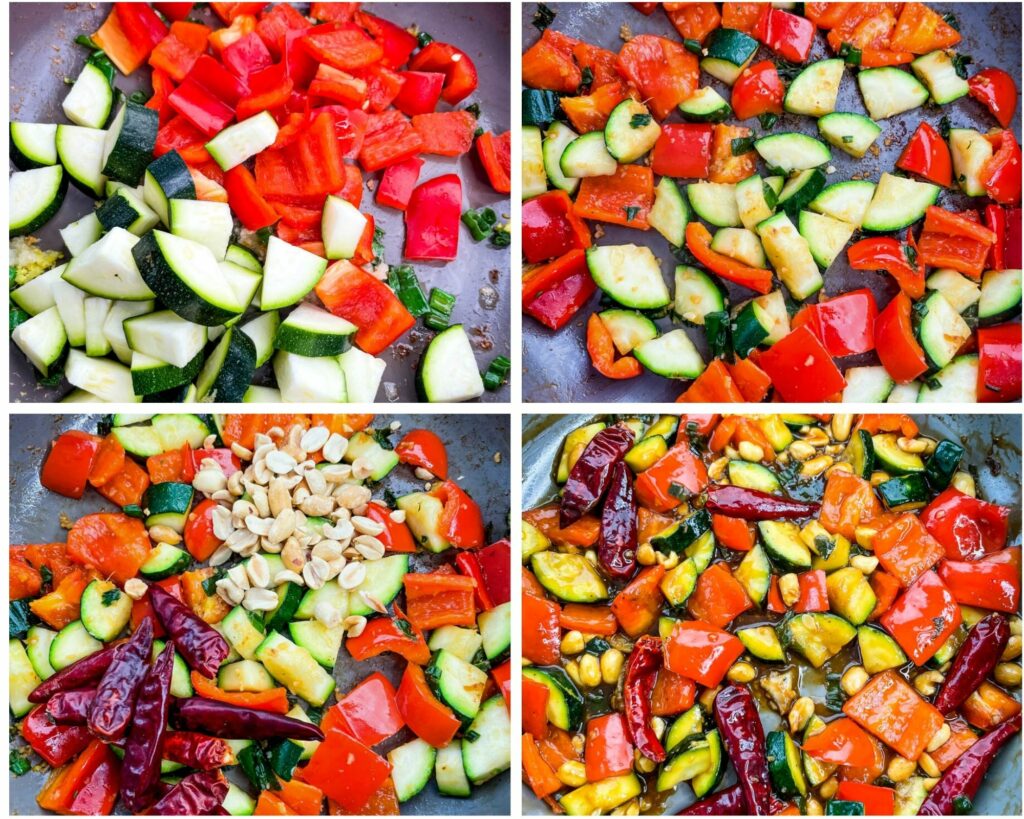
641 673
71 707
729 802
592 472
202 647
199 751
974 661
743 736
616 547
232 722
752 504
87 670
198 794
115 697
963 778
140 770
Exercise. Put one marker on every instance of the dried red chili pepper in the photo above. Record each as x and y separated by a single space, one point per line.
118 690
752 504
202 648
616 547
76 675
220 719
729 802
740 726
199 751
592 472
198 794
974 661
641 672
140 770
71 707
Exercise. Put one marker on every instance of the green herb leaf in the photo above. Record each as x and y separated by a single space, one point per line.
424 39
768 120
951 20
693 46
18 617
543 17
110 596
210 583
911 255
586 78
46 575
944 127
474 109
19 763
381 437
631 212
960 63
640 121
87 42
742 145
18 316
850 53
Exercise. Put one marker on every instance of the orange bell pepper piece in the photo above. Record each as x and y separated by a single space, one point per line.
886 589
535 707
623 198
602 352
637 606
733 533
539 776
673 693
960 739
549 63
848 500
701 652
274 699
270 805
698 241
905 549
590 112
438 599
727 167
651 523
843 742
582 533
123 53
108 462
127 486
541 631
693 21
751 380
303 799
63 604
989 706
892 710
588 619
211 608
165 467
920 30
719 598
713 386
655 485
877 801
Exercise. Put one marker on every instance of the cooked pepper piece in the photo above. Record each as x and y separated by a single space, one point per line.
591 475
141 766
641 671
202 648
616 549
743 737
119 687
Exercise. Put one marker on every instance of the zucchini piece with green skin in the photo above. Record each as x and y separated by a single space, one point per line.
763 643
775 430
243 257
237 802
784 765
128 147
229 369
72 643
956 383
35 197
696 295
305 378
209 223
96 311
888 91
750 327
540 107
105 610
714 202
851 133
938 73
628 328
449 771
773 308
814 90
893 459
1000 296
496 631
947 651
705 105
535 180
42 339
878 651
109 268
167 177
941 330
754 573
423 517
755 201
107 380
728 52
740 244
584 156
460 685
846 201
290 597
682 534
489 753
379 460
243 631
646 453
816 636
330 593
753 476
601 797
905 493
383 581
289 273
791 151
244 675
790 255
556 140
630 274
706 782
850 595
448 371
569 577
867 385
679 582
151 375
959 291
126 209
37 646
164 561
702 551
312 331
683 763
860 453
672 355
844 807
22 678
81 234
165 336
262 330
411 767
970 152
671 212
462 642
168 504
321 641
81 153
565 702
943 464
826 237
295 668
90 99
33 144
897 203
236 143
573 446
631 131
36 294
688 724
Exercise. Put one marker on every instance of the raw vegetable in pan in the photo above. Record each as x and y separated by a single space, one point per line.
696 571
232 193
197 629
693 136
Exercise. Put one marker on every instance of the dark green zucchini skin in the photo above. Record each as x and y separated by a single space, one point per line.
905 492
943 464
172 174
47 213
116 212
238 369
685 534
165 383
133 150
540 107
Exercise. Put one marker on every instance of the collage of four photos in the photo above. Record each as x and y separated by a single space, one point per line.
297 587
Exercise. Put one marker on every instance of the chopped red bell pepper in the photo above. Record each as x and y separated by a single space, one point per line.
141 24
468 565
396 43
999 363
888 254
124 52
67 466
893 711
997 91
382 86
990 583
384 634
897 346
246 56
698 242
701 652
445 133
845 325
427 717
719 598
337 85
927 155
713 386
269 89
333 12
182 136
663 70
394 142
535 706
495 154
396 536
542 633
589 112
679 466
801 369
673 693
638 605
538 773
352 293
56 744
200 107
494 562
966 224
462 523
275 23
789 36
968 528
343 45
420 92
877 801
423 448
923 617
693 21
175 56
174 11
601 349
956 252
906 549
439 598
553 293
216 79
1001 174
368 713
432 219
609 750
247 203
229 11
600 61
813 592
301 66
346 770
683 151
622 198
758 90
457 67
163 87
87 787
550 227
995 220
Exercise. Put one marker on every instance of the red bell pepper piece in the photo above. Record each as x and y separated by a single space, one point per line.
789 36
1001 174
693 21
174 56
438 599
216 79
677 466
339 86
141 24
922 618
200 107
758 90
842 742
897 346
877 801
718 598
420 92
468 565
701 652
427 717
346 770
906 549
673 694
845 325
396 536
683 150
535 706
995 220
229 11
397 635
601 349
966 224
893 711
333 12
494 562
538 773
801 369
550 228
123 51
276 22
553 293
623 198
714 385
395 41
344 45
495 154
382 86
88 786
967 528
663 70
446 133
269 89
813 592
394 142
637 606
174 11
609 751
67 467
457 67
990 583
997 91
56 744
369 712
462 523
927 155
423 448
542 633
355 295
182 136
956 252
246 56
698 242
252 210
301 66
885 253
432 219
163 87
999 363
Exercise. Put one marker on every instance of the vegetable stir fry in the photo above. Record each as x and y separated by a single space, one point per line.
838 574
196 630
754 212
